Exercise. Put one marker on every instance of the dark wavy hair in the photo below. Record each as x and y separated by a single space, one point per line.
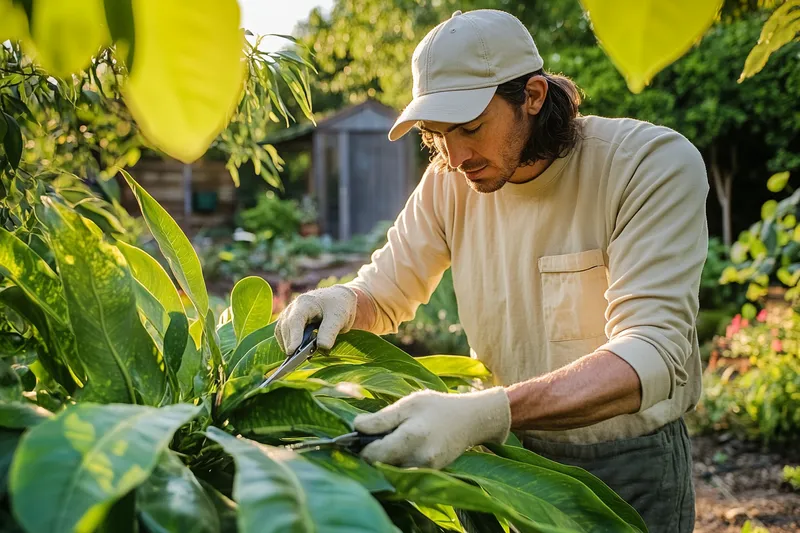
555 128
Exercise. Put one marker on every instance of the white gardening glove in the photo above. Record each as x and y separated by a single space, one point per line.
335 305
432 429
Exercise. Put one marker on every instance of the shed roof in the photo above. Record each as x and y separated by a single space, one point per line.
369 115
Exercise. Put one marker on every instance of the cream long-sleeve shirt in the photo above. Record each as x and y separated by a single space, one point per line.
602 251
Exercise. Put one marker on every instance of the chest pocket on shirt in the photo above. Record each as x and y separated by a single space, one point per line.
573 300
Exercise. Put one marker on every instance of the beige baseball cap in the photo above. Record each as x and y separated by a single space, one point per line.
457 67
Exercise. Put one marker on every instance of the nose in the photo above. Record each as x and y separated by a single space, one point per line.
457 153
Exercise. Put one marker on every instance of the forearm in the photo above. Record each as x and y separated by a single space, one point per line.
365 311
594 388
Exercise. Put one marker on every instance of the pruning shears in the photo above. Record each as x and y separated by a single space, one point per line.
353 442
307 348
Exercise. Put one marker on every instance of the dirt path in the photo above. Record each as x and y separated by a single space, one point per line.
735 482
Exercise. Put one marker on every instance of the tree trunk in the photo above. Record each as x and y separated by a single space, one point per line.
723 186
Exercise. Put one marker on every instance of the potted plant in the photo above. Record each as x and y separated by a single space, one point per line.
309 224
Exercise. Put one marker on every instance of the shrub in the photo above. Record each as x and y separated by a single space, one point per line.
752 383
146 411
272 216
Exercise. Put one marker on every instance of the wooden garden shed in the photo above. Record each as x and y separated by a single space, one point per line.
357 176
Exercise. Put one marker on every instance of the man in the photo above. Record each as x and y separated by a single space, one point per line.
576 246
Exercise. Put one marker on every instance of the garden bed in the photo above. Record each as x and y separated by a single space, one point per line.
736 481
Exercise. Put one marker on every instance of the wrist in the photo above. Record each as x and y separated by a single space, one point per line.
493 415
366 311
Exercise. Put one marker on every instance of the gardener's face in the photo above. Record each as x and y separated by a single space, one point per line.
486 150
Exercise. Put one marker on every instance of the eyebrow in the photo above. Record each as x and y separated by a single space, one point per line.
451 128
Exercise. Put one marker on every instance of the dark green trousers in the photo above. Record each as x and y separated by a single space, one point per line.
653 472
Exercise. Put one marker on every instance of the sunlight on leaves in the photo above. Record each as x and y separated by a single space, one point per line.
642 37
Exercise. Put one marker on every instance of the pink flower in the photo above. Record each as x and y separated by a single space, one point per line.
734 327
777 345
762 315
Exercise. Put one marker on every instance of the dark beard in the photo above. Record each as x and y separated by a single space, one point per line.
517 156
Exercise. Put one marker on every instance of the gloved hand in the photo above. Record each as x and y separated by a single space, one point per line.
335 305
432 429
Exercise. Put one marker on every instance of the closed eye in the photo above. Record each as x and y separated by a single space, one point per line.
471 131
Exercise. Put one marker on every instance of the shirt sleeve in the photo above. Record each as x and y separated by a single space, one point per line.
405 271
656 254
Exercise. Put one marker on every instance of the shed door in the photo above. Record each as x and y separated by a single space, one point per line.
378 177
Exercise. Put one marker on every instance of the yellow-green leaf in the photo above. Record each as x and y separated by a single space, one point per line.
91 455
757 249
749 311
152 276
796 234
778 181
641 37
769 209
187 73
780 29
251 303
175 246
730 274
30 272
13 21
68 33
755 291
784 276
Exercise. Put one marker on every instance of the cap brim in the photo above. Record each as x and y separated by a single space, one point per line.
454 107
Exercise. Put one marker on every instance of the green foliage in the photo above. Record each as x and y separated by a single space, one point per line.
177 465
752 384
714 295
272 216
782 27
791 474
768 253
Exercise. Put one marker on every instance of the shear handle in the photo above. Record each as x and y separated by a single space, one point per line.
308 335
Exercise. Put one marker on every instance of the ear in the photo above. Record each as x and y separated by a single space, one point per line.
535 93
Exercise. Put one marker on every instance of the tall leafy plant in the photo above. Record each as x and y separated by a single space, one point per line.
152 415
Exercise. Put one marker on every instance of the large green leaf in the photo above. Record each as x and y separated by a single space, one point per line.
540 493
642 37
227 338
68 33
227 510
187 73
246 344
265 353
351 466
372 376
174 244
781 28
120 359
251 302
287 410
173 501
370 348
59 349
344 409
433 487
32 275
91 455
191 366
21 415
457 366
175 341
152 276
610 498
277 490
